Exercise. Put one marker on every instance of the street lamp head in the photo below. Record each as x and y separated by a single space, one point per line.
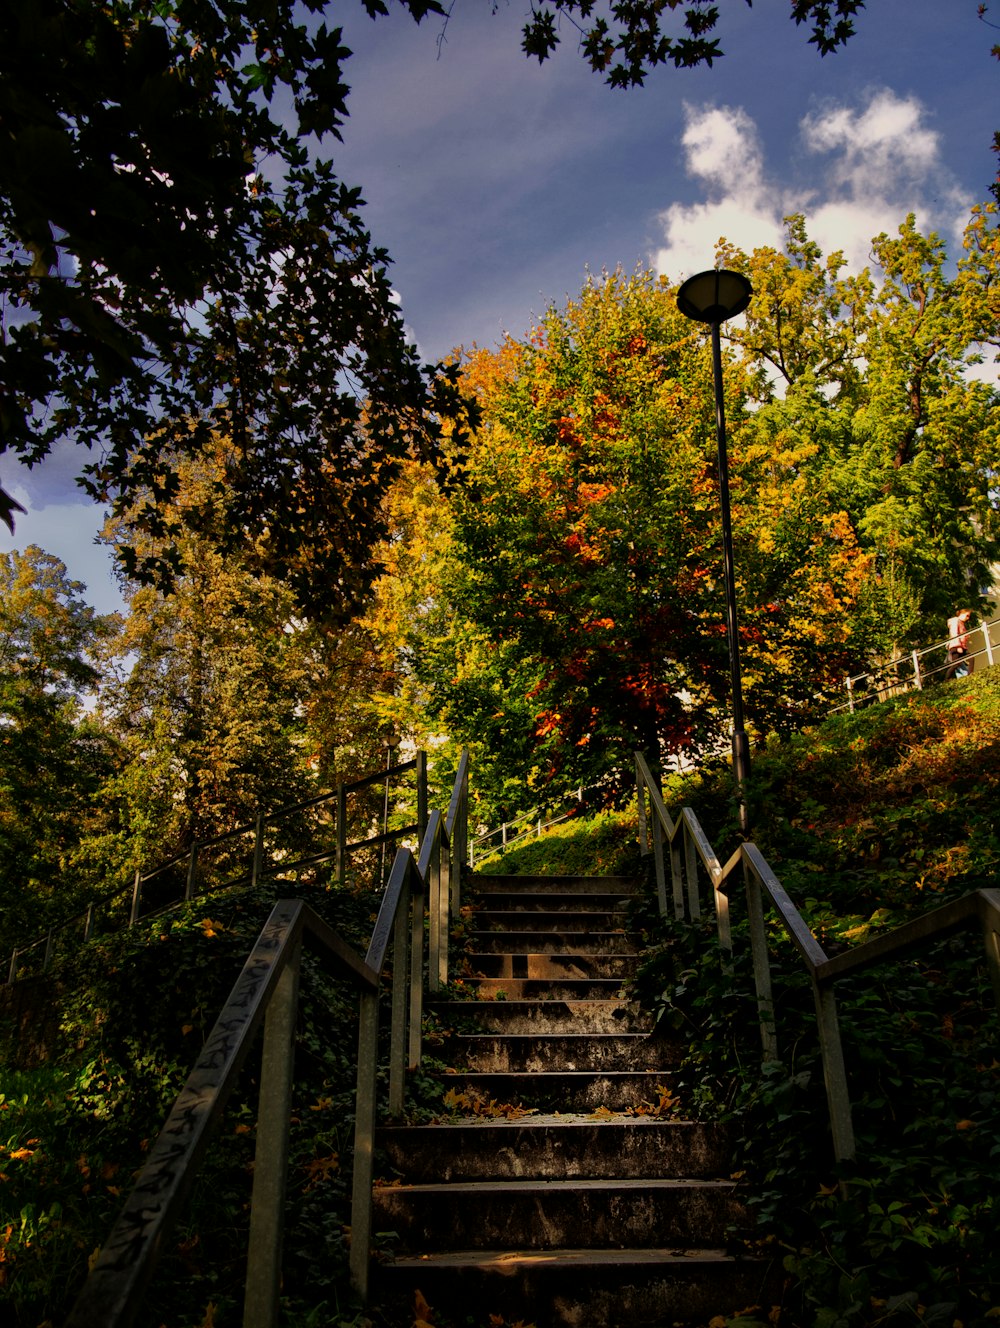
715 296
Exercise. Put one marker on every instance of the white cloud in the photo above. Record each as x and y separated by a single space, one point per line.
876 162
881 146
722 148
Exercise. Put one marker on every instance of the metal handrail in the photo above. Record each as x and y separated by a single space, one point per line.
888 680
534 823
688 846
257 866
266 992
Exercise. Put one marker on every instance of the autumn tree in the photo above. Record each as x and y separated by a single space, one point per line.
54 756
869 379
179 259
581 608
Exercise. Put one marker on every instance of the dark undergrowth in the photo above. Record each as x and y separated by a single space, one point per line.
134 1010
867 820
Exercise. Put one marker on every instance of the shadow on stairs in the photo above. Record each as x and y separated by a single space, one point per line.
576 1203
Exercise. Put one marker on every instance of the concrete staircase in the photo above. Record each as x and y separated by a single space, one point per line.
577 1213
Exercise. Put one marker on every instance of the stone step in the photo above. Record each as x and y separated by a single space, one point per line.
517 921
553 942
539 1214
581 1288
533 964
542 989
550 902
556 1147
561 1090
554 1051
526 885
546 1016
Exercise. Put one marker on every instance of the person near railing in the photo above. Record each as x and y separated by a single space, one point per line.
959 659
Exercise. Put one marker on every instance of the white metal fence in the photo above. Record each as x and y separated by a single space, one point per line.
920 667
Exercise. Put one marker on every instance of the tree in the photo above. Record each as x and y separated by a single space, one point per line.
53 754
639 41
225 700
868 378
581 610
176 261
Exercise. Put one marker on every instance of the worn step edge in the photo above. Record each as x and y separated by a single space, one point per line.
516 920
561 901
568 964
615 884
564 1090
557 1147
598 1213
617 944
539 989
574 1288
544 1018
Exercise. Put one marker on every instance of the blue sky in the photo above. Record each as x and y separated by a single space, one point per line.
495 184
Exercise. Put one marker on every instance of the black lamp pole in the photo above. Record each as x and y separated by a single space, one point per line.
713 297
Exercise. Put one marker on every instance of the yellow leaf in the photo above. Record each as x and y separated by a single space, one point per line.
959 1125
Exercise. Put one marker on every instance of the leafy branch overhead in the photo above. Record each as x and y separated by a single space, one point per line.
631 41
178 262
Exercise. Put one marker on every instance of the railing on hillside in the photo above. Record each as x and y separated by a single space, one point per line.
266 993
530 825
685 843
920 667
270 845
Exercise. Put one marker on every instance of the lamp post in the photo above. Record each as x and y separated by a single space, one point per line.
713 297
390 743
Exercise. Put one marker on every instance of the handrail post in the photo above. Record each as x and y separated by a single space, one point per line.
460 847
88 926
418 899
341 834
761 963
850 693
661 878
917 680
691 866
364 1144
136 897
834 1072
640 799
258 849
48 952
991 940
189 889
988 643
439 889
12 972
270 1168
401 961
421 795
676 877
